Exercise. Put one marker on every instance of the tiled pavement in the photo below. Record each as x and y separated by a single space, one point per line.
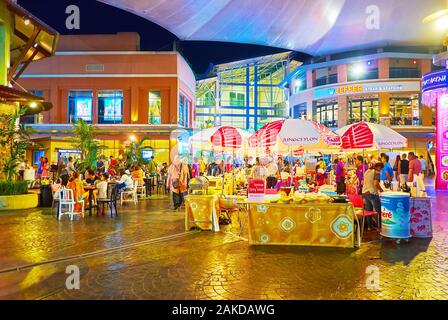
203 265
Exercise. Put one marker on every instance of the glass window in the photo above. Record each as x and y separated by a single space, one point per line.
110 106
80 105
404 110
364 110
183 113
327 113
237 99
154 107
299 111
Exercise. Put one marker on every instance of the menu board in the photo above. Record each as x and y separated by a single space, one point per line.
442 143
256 189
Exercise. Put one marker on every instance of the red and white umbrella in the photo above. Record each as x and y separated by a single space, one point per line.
295 133
219 137
366 135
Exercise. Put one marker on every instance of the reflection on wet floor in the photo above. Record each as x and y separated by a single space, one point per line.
155 263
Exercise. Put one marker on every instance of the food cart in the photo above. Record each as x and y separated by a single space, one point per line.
312 224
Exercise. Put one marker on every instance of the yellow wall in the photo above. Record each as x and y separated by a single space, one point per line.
5 40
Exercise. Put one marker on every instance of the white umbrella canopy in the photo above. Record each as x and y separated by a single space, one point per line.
221 139
366 135
295 133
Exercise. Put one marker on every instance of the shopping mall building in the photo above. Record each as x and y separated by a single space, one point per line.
379 86
245 94
125 93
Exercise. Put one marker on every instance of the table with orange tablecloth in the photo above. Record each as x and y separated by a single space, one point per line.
202 211
328 225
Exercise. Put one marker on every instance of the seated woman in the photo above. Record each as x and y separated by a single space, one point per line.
284 182
321 176
137 175
78 191
55 187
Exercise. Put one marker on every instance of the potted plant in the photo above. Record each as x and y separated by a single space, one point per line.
84 140
15 138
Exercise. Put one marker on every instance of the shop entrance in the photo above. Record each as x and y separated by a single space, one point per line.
67 153
364 109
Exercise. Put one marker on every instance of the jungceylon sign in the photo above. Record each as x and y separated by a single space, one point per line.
300 140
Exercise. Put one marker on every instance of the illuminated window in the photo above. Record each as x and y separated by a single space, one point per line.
155 107
364 110
183 113
326 112
110 106
405 110
80 105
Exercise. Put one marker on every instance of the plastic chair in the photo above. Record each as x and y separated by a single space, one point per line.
141 190
67 201
129 192
111 201
358 203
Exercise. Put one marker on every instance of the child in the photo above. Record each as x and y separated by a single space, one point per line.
102 190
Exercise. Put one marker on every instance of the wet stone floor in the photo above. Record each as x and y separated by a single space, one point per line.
144 253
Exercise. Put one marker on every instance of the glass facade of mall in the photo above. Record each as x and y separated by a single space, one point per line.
245 94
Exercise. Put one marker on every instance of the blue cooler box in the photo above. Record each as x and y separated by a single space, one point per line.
395 215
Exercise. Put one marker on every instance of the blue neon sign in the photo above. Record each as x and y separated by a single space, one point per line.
435 80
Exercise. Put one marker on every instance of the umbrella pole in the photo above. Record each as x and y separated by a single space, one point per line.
291 166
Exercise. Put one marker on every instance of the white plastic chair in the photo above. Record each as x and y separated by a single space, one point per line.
132 192
67 201
141 191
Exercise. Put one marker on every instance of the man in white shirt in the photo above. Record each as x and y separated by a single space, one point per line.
126 180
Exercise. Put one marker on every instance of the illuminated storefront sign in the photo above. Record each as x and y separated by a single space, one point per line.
370 87
435 80
442 143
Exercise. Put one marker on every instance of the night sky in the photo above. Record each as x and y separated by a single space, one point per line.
99 18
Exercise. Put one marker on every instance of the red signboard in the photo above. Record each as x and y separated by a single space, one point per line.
256 186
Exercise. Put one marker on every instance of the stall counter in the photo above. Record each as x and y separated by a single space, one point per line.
327 225
202 211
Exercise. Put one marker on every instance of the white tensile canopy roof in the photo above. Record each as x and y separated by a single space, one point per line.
315 27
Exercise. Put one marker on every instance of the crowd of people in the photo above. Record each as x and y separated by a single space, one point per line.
67 174
372 175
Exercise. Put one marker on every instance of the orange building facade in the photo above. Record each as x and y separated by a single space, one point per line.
125 93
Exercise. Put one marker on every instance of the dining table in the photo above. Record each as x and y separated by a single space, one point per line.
90 189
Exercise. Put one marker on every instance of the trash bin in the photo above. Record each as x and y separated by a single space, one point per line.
46 196
395 215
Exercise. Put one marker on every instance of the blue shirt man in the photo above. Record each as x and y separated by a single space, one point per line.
388 172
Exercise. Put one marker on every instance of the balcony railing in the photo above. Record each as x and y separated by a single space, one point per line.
405 121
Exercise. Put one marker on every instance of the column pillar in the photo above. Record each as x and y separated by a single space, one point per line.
425 66
384 103
5 42
342 111
310 78
383 68
342 73
133 106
